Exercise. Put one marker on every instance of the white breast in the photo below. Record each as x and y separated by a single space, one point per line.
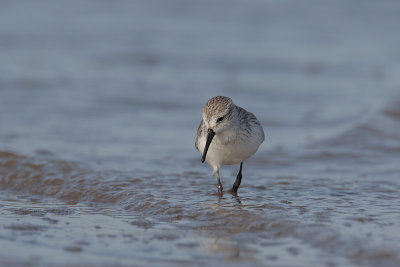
226 150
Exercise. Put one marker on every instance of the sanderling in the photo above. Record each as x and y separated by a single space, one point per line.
227 135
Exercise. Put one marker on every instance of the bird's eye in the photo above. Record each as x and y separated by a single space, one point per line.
220 119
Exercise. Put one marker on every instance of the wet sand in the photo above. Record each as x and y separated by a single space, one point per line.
100 104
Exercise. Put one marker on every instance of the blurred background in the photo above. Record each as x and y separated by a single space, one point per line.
116 89
128 79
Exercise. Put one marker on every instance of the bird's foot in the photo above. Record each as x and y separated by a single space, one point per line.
220 189
235 189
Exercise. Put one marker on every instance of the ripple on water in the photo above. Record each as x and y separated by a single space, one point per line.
309 210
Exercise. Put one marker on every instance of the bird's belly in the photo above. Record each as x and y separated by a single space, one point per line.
229 154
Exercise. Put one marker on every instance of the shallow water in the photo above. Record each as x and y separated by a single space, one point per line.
100 104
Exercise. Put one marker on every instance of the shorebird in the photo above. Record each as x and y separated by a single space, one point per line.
227 135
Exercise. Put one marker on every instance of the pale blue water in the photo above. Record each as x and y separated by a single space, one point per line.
99 107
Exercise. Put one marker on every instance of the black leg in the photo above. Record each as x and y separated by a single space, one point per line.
220 188
236 185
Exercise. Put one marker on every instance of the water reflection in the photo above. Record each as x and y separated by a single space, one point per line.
228 195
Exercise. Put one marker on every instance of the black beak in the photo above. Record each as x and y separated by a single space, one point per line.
210 136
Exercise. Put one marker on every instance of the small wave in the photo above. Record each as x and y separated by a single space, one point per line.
392 111
145 195
379 135
62 179
164 197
